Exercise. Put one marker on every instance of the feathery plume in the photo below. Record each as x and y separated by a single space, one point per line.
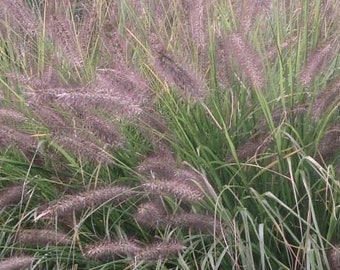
151 209
89 25
92 198
123 80
188 176
158 166
62 34
159 251
154 127
16 263
247 59
334 257
326 99
50 117
272 51
22 15
174 74
103 130
84 148
107 250
113 44
315 63
198 24
22 141
223 64
11 195
248 11
124 105
8 116
197 222
179 190
42 237
46 79
252 147
279 114
330 143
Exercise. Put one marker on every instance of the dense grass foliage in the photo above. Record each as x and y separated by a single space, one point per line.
169 134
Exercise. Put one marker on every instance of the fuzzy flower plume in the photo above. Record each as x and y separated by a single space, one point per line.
334 257
196 222
160 250
16 263
330 143
19 15
248 60
315 64
20 140
326 99
107 250
11 195
61 32
180 190
84 148
8 116
175 74
151 209
158 166
93 198
42 237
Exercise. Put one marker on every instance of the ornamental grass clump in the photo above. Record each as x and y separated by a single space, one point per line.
169 134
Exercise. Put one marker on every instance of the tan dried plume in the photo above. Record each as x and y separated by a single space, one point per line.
93 198
16 263
42 237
